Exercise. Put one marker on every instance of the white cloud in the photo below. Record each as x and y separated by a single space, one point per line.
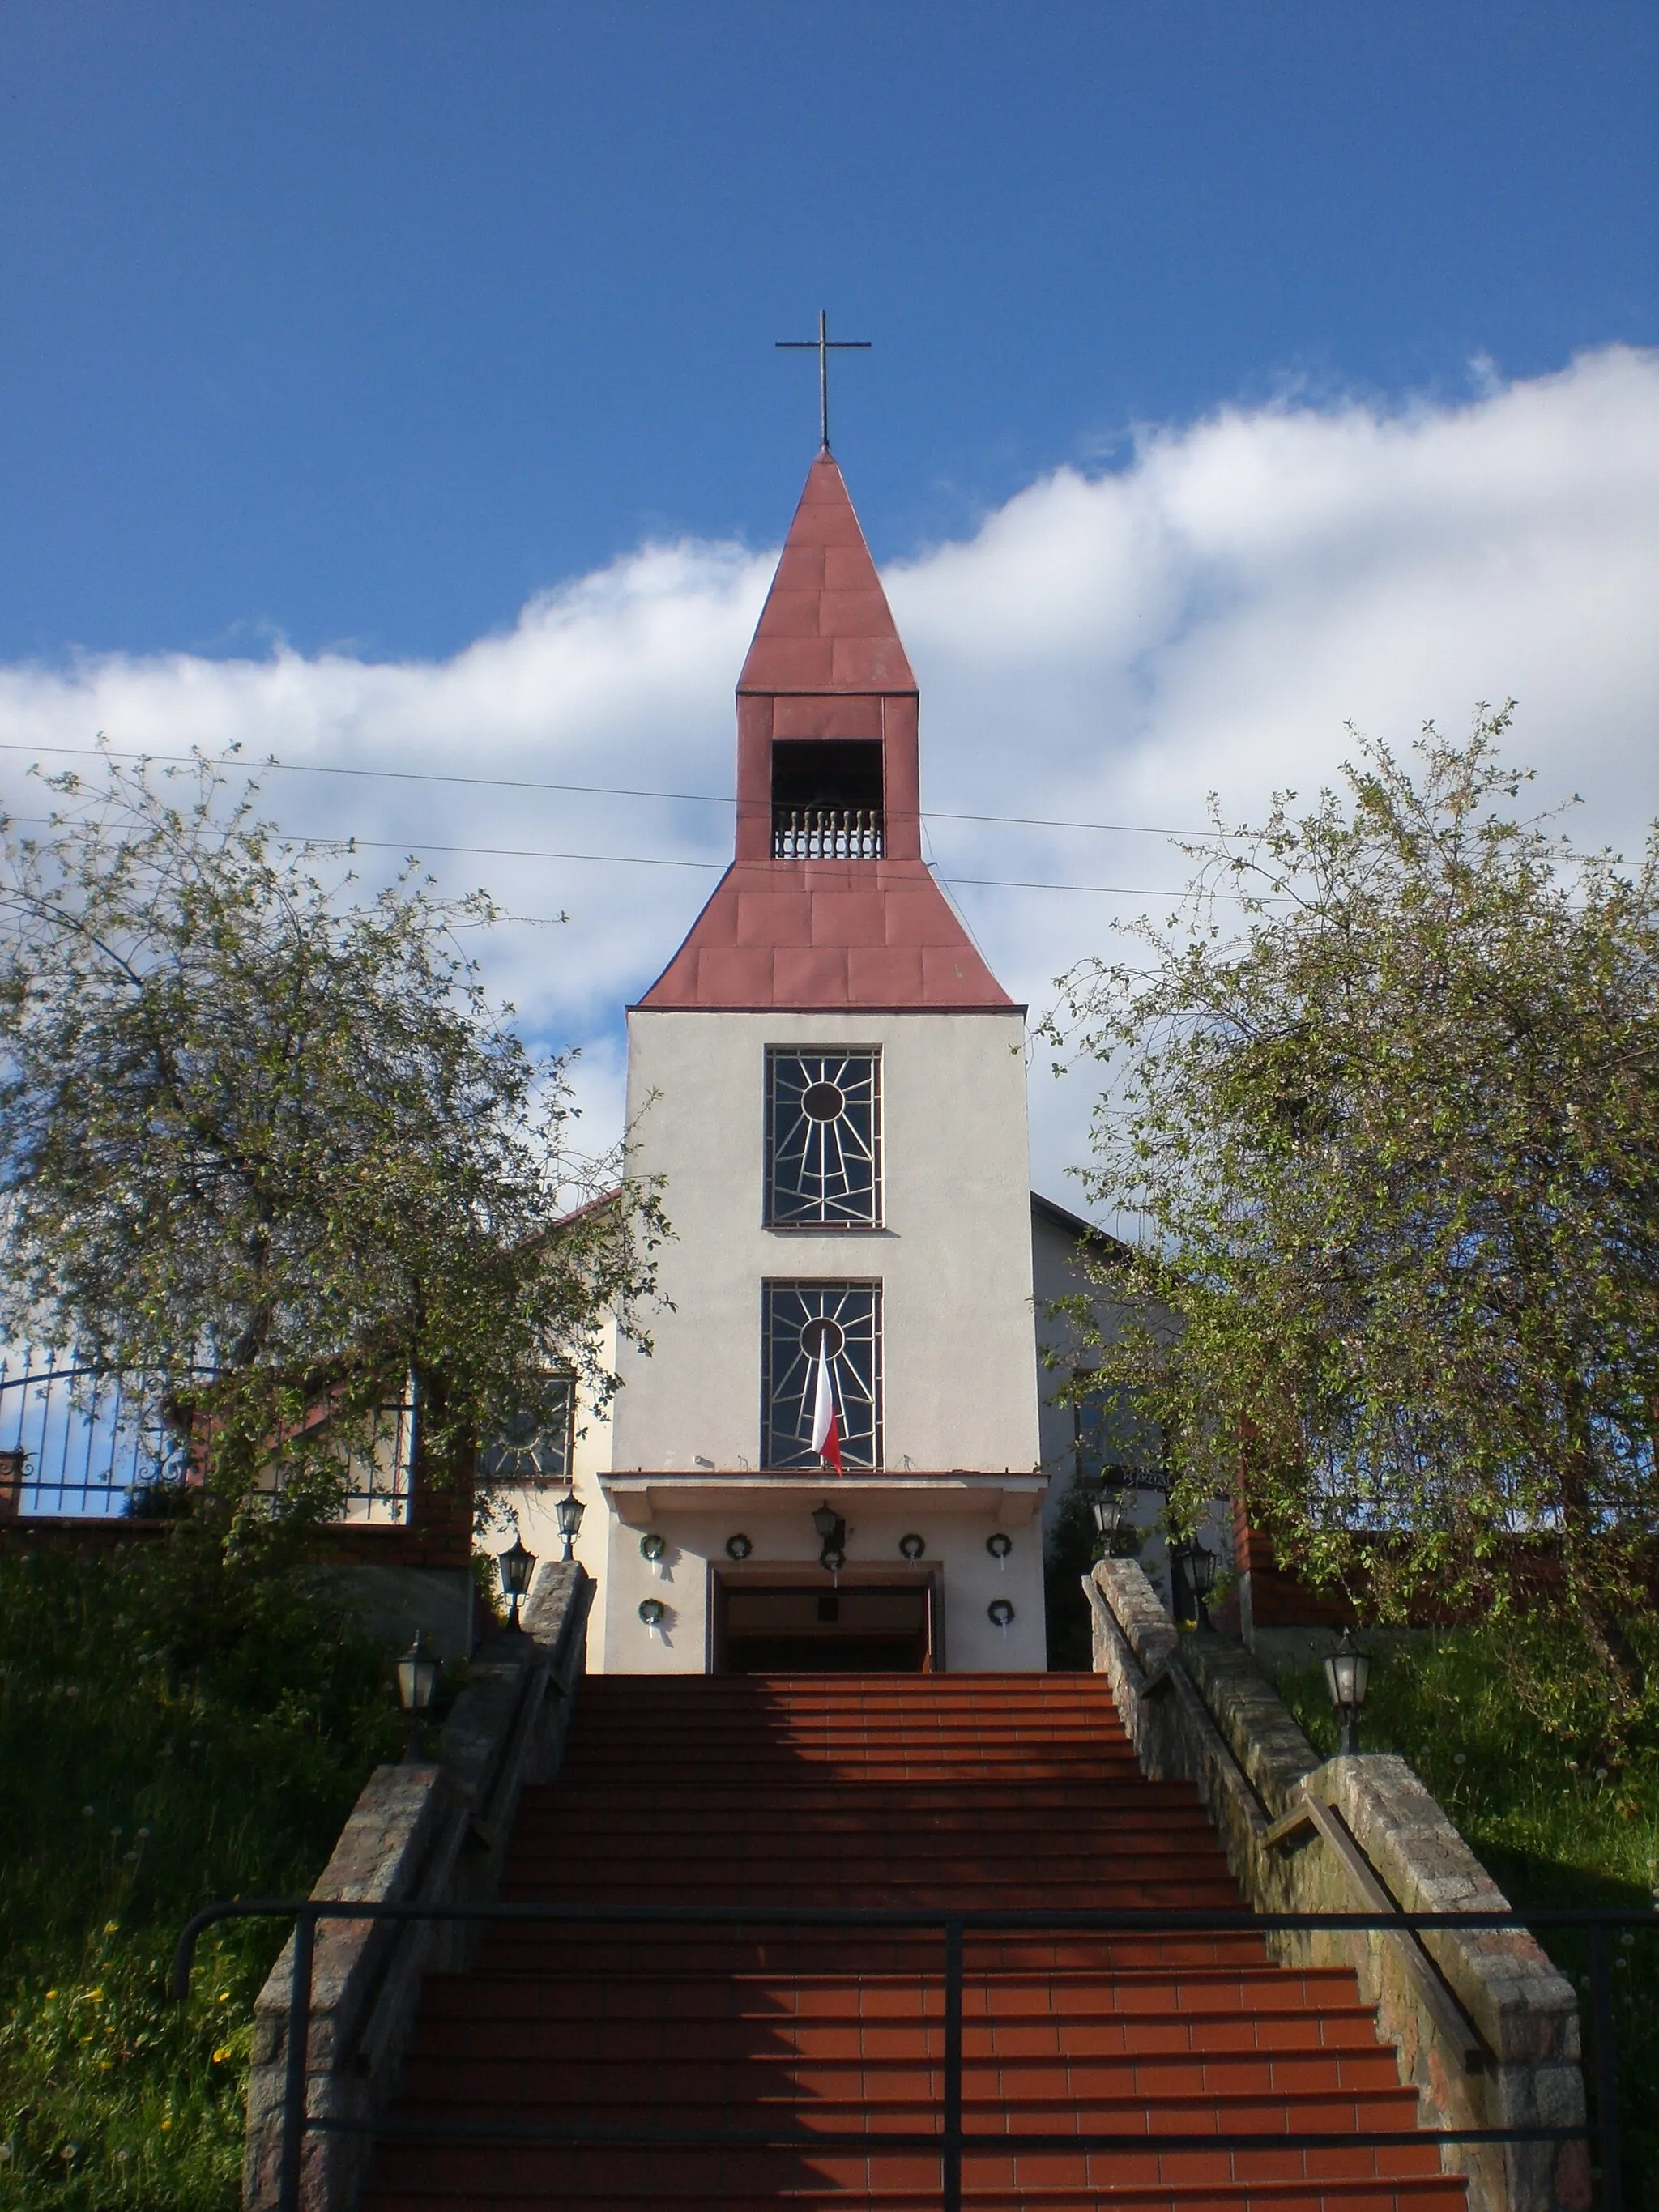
1102 649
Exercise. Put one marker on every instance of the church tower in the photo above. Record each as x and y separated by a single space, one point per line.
832 1085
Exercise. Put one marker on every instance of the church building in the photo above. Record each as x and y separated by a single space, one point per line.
836 1455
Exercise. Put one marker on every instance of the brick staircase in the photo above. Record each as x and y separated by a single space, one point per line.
928 1791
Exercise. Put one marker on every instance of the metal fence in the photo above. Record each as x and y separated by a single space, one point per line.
88 1444
949 2142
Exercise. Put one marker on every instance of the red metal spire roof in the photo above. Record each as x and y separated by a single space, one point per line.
804 935
797 935
826 626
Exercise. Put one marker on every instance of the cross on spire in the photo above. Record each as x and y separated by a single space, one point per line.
823 345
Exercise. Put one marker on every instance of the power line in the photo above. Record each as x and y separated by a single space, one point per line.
651 860
587 790
417 848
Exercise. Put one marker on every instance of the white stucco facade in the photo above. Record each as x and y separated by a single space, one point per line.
953 1258
953 1254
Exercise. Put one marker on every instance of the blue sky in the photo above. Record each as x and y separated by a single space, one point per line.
392 388
362 323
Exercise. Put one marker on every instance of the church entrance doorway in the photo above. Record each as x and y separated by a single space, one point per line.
818 1628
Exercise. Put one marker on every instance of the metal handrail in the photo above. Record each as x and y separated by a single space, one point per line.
949 2141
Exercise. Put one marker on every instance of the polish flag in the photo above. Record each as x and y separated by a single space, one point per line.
826 1431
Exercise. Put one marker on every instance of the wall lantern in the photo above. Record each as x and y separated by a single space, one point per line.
912 1548
568 1514
653 1612
737 1547
998 1544
832 1539
1347 1671
1000 1611
653 1546
1106 1504
419 1671
517 1566
1201 1572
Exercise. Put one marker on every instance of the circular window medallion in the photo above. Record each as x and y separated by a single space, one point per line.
823 1101
822 1336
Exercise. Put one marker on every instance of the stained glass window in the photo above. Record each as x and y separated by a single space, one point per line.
822 1140
533 1445
846 1319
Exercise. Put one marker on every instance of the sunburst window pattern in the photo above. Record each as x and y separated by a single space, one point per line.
845 1318
822 1140
533 1445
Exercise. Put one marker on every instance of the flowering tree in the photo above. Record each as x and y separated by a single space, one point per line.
266 1143
1393 1142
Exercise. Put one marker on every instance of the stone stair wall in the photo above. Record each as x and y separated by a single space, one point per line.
432 1831
1486 2027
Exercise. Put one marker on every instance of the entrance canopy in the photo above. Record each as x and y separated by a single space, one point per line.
641 1497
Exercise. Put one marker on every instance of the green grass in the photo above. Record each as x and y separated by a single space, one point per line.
172 1730
1552 1823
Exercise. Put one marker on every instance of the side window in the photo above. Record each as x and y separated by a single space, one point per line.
533 1445
1111 1441
822 1138
1092 1416
840 1322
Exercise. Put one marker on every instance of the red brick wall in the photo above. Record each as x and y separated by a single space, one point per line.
1277 1599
